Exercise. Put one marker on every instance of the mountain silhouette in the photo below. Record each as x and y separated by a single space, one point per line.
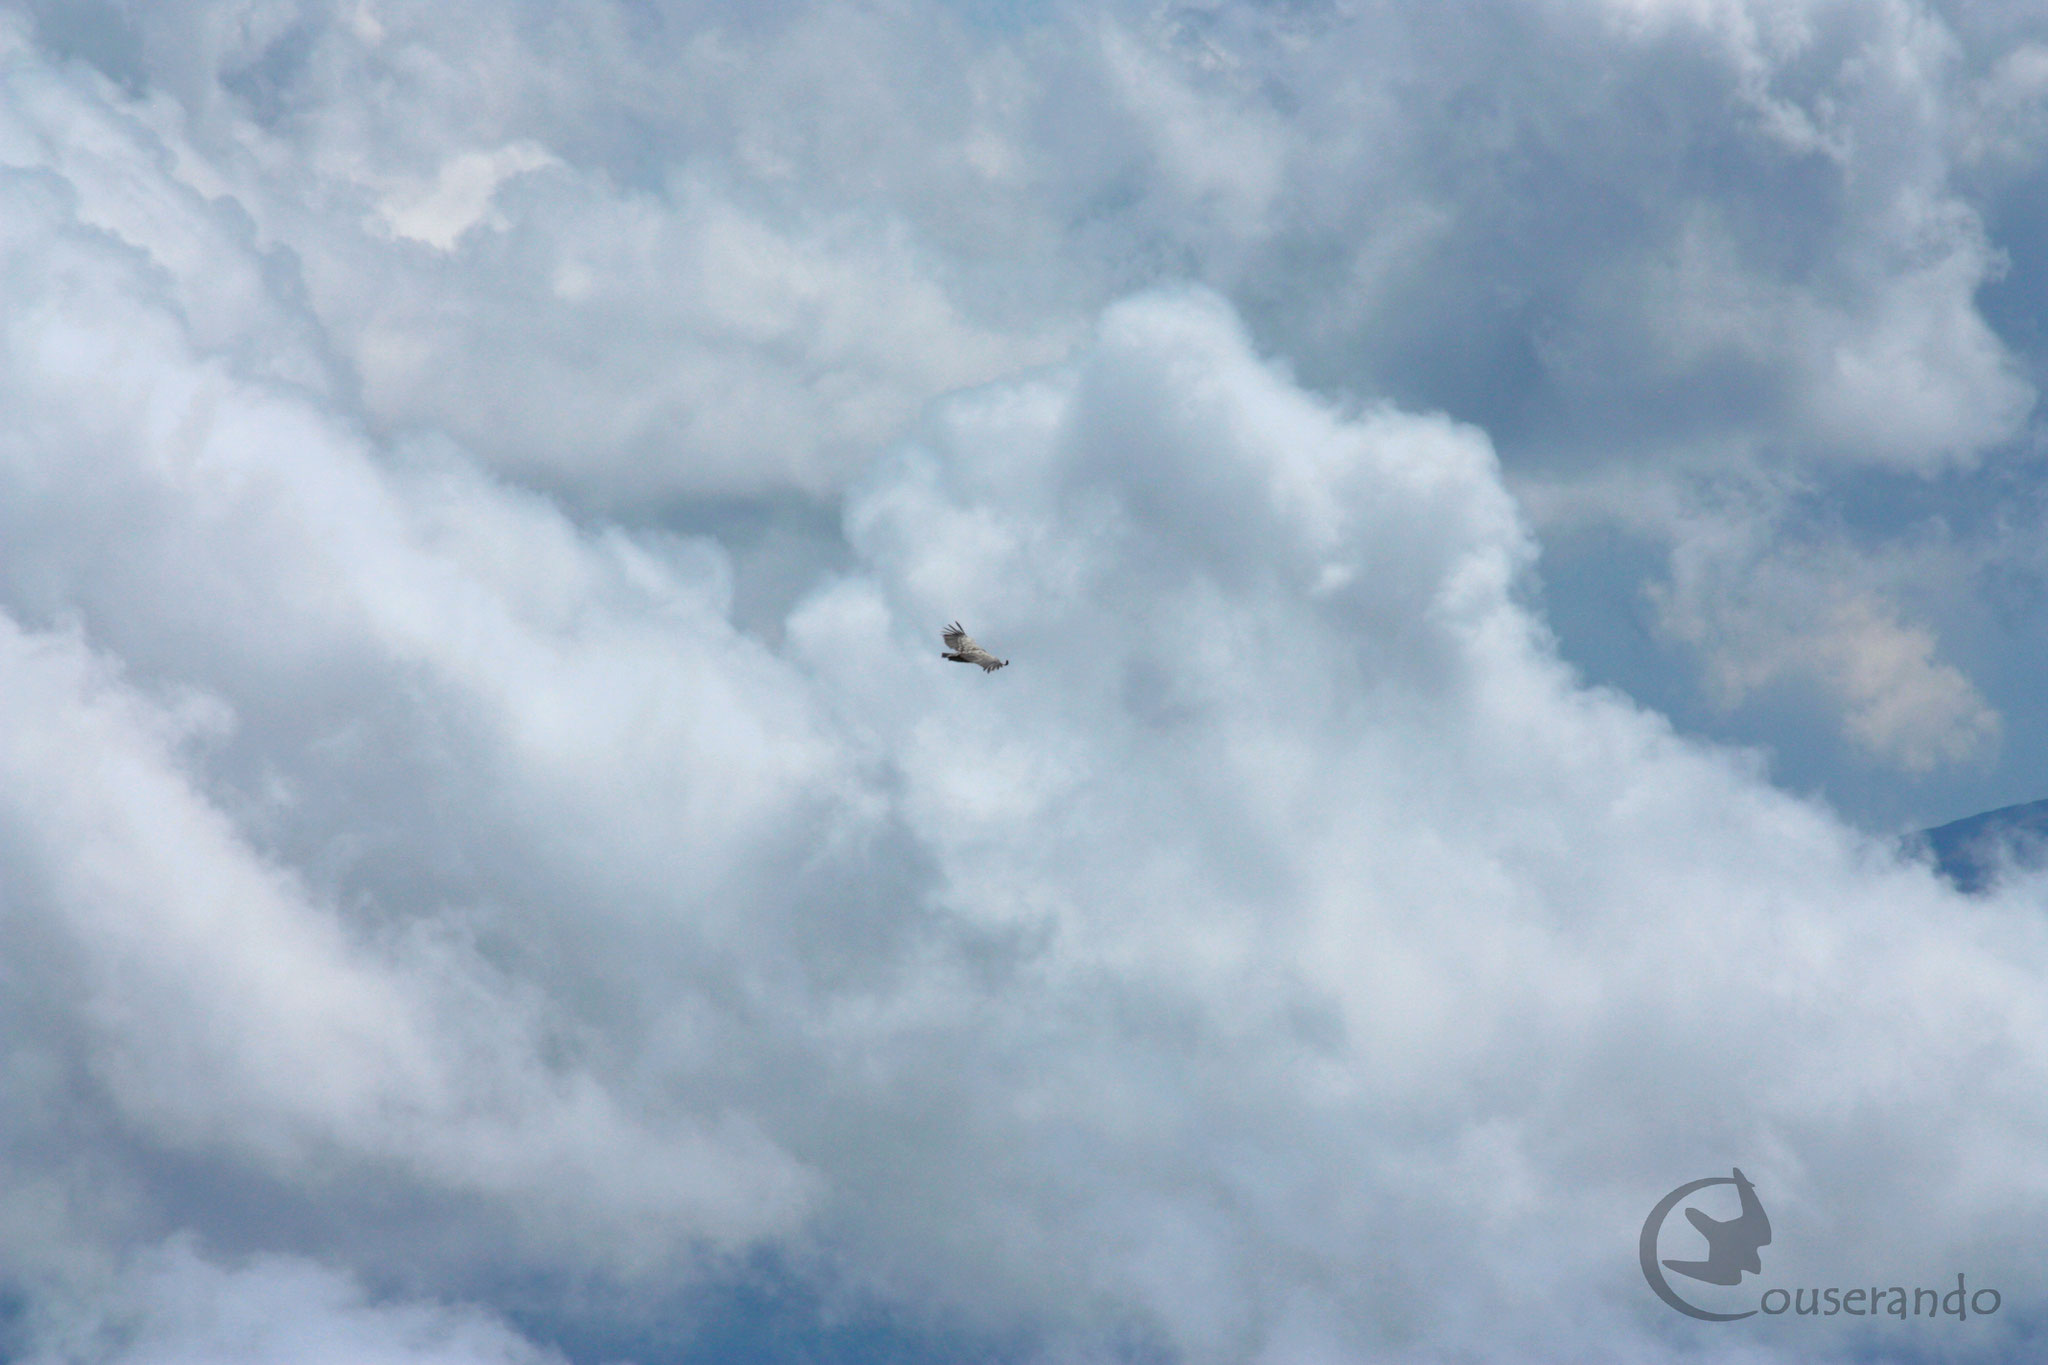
1971 852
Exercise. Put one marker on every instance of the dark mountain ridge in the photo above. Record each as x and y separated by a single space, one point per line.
1973 851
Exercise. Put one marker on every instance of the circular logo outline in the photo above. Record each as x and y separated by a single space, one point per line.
1647 1249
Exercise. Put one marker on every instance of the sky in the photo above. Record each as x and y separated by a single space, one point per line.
1503 514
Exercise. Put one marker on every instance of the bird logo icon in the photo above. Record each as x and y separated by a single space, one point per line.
1733 1244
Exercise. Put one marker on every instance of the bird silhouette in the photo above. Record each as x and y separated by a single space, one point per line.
1732 1243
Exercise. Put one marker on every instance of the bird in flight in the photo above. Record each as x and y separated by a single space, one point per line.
961 649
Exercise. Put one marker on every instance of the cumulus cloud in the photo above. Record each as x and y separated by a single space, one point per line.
434 909
1442 982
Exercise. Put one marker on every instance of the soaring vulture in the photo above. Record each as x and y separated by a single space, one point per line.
961 649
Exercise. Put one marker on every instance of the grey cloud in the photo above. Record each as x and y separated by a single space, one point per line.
170 1305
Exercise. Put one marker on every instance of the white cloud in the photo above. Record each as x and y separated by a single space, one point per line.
221 1010
1912 376
416 878
1385 809
1044 996
460 195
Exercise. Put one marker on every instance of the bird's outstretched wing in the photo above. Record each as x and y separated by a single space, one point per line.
960 648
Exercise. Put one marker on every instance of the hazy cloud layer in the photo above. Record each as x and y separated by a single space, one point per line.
491 859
